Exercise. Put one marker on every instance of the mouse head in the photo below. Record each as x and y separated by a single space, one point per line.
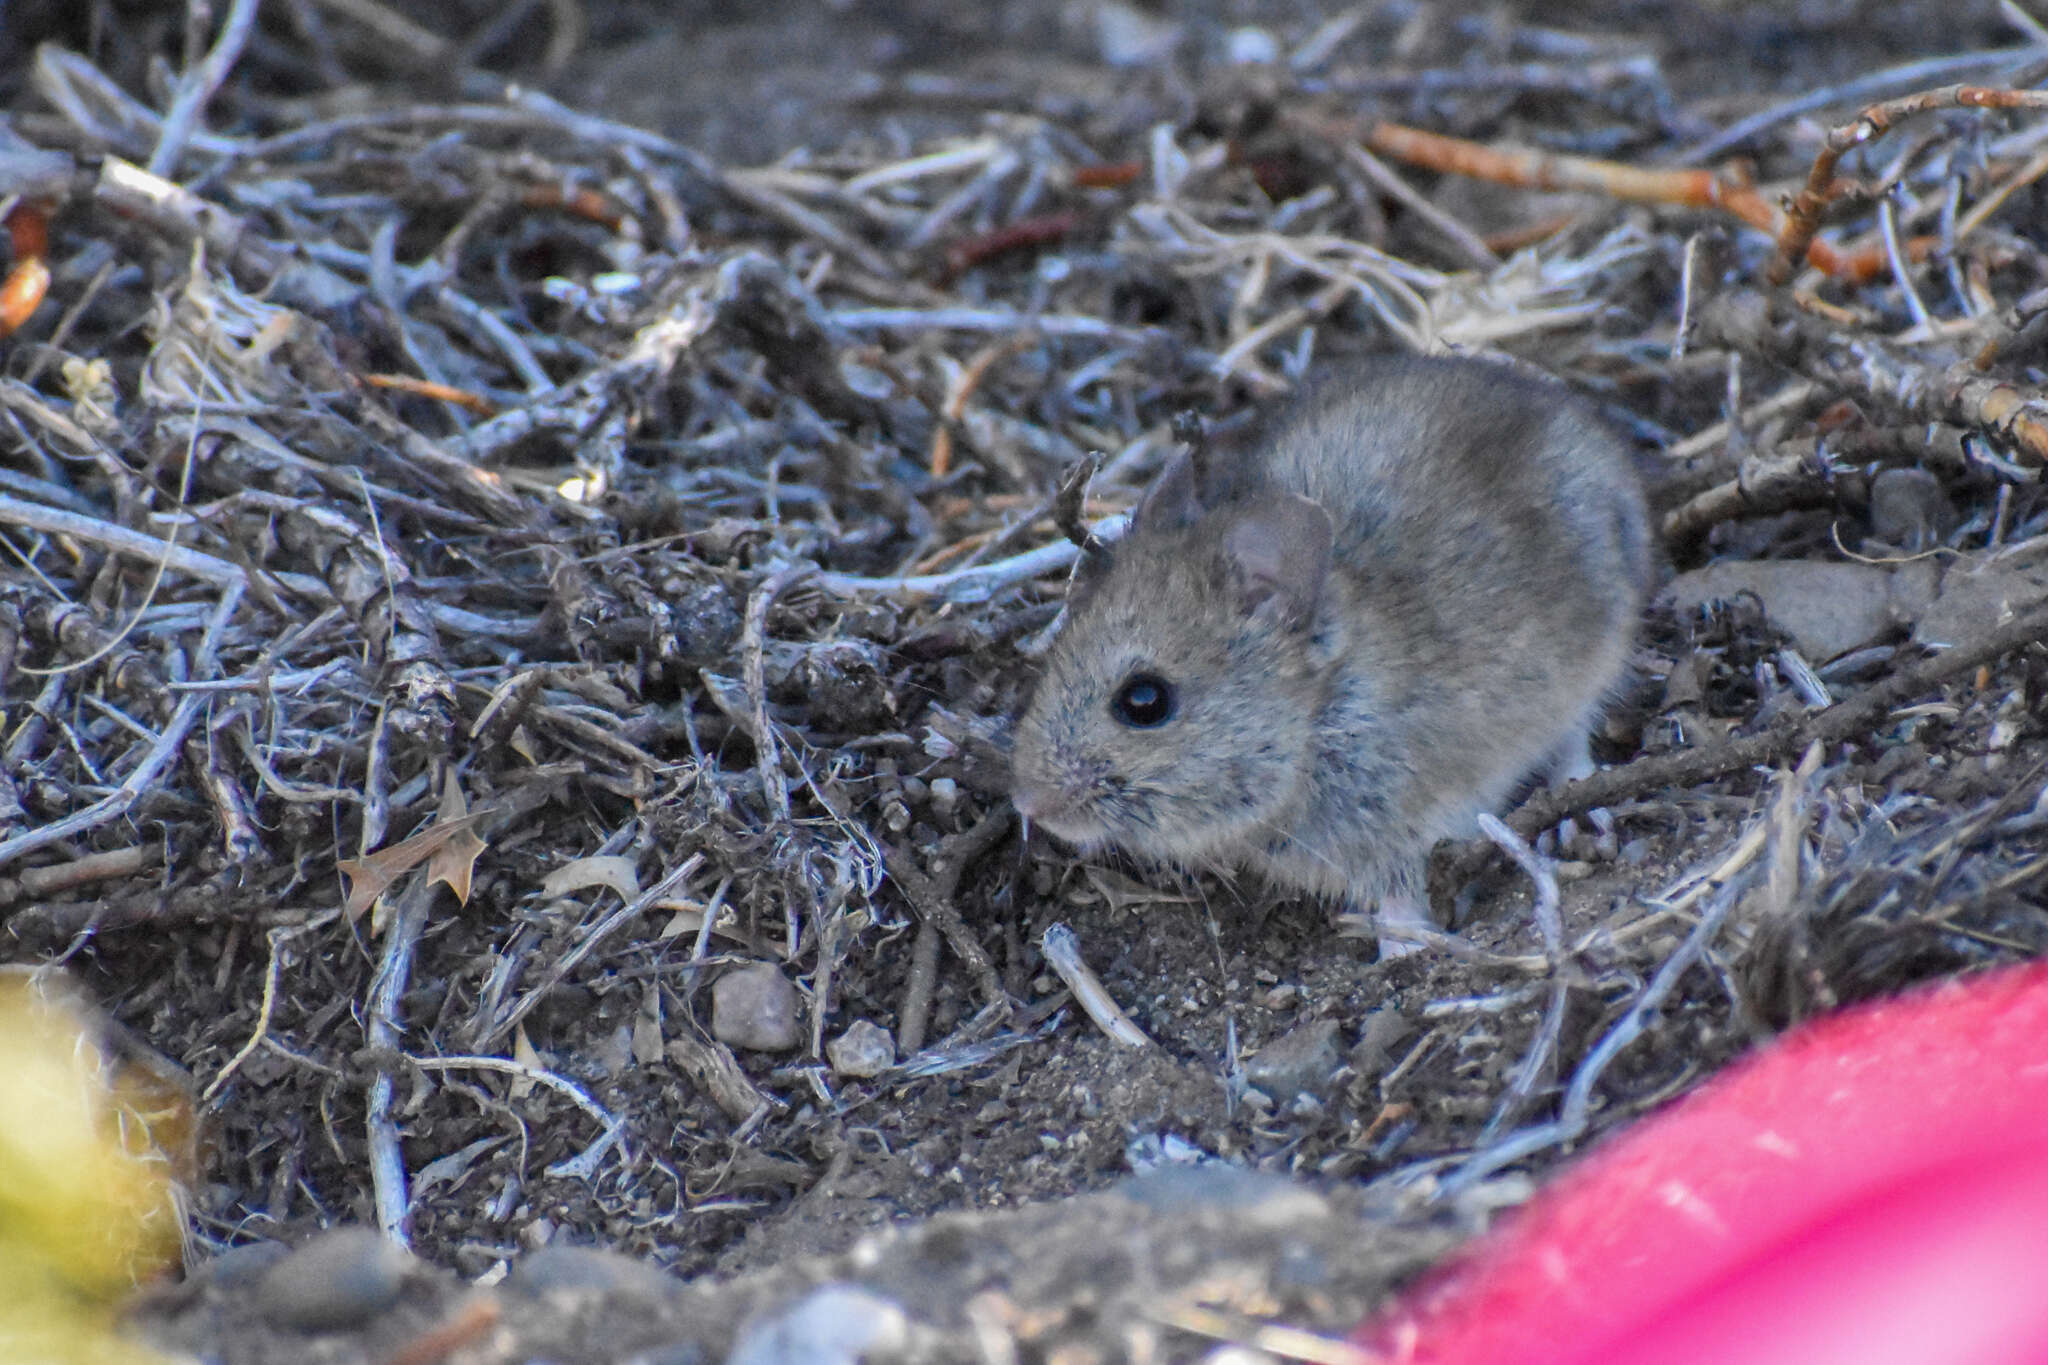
1176 714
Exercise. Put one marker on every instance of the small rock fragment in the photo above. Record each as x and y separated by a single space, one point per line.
1827 609
865 1049
1384 1030
1979 594
1300 1061
558 1268
756 1007
836 1324
239 1267
1250 47
1252 1198
340 1279
1909 510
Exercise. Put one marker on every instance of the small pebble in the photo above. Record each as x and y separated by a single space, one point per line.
1282 997
556 1268
756 1007
836 1324
1299 1061
1256 1198
1909 509
865 1049
340 1279
1251 47
239 1267
1384 1030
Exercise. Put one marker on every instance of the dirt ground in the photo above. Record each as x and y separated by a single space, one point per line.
682 738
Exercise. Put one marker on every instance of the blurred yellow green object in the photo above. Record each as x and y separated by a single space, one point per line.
88 1208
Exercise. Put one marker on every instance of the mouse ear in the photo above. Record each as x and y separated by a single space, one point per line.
1172 501
1279 551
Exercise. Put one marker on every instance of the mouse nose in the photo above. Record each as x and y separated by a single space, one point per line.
1030 804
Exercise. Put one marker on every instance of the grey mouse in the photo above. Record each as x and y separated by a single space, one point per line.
1316 662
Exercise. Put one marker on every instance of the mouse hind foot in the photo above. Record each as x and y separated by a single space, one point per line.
1402 923
1572 761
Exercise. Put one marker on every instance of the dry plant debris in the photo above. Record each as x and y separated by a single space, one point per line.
650 549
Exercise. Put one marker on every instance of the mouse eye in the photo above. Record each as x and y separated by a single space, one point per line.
1144 701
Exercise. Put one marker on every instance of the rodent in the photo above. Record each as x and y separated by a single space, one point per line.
1319 659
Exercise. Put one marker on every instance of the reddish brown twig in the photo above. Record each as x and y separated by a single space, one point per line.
1796 236
28 232
581 201
1110 175
1525 168
1022 235
425 388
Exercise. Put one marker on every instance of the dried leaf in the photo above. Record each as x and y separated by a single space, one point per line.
612 870
523 1053
371 875
455 861
647 1038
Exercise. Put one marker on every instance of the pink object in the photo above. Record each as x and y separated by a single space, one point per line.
1871 1189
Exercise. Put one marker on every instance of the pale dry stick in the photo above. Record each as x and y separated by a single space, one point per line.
2012 412
82 93
585 945
178 559
45 883
984 184
1464 240
389 26
931 894
992 320
960 391
1358 925
1874 85
1286 320
965 157
753 649
976 584
763 198
1550 924
2016 14
509 343
163 751
264 1011
1257 1340
1575 1113
613 1127
199 86
1827 727
913 1017
1787 823
1994 200
289 682
1902 275
700 948
384 1032
1686 272
1330 35
177 214
1790 398
1063 954
581 404
1763 484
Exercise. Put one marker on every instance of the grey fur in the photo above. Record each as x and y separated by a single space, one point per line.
1339 712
